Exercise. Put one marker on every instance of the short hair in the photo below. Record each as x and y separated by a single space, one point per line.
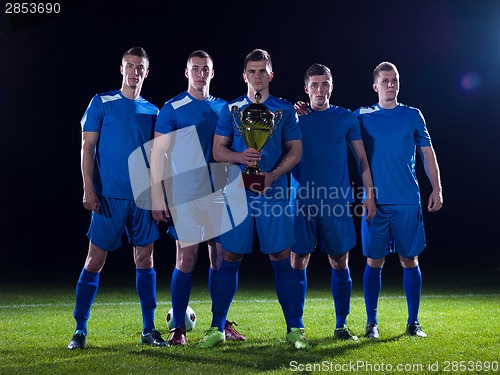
201 54
258 55
384 66
136 51
317 70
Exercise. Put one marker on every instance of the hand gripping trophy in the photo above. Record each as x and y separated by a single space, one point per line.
255 124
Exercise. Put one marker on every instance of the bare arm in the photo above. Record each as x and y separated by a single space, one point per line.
358 149
161 144
432 170
223 154
89 141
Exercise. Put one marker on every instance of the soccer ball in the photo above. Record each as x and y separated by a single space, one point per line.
189 319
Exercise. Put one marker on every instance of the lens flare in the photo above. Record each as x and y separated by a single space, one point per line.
470 82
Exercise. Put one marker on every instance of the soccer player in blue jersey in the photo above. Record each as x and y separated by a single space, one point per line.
192 108
392 131
113 126
267 212
321 194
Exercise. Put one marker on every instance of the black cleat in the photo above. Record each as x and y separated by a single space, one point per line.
153 338
371 331
344 334
77 341
415 330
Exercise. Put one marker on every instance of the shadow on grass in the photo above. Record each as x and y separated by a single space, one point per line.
261 356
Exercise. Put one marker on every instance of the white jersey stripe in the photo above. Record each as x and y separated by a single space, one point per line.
180 103
109 98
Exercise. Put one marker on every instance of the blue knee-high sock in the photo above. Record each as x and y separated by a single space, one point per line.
211 277
225 287
145 283
86 290
412 283
301 276
287 290
341 285
372 284
180 288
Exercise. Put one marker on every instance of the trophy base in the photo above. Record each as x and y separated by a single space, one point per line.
253 182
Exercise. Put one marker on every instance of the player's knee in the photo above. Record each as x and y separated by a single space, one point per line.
408 262
280 255
143 256
231 257
144 262
375 263
91 265
185 263
339 262
96 258
299 261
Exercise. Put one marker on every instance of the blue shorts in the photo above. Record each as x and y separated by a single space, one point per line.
334 230
270 220
118 216
395 228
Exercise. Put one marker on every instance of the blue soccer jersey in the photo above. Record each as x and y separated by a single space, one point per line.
191 149
322 176
391 137
288 130
184 110
124 125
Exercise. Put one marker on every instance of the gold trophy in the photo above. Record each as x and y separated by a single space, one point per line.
255 124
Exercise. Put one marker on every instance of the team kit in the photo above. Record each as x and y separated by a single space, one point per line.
227 172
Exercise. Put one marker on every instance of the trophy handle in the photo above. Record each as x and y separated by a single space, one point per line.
236 116
278 115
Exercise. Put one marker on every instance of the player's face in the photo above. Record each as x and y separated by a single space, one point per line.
319 89
387 87
134 70
258 75
199 72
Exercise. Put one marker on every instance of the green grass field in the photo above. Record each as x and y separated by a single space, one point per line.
461 318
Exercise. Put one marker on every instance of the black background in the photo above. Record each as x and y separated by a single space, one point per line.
447 52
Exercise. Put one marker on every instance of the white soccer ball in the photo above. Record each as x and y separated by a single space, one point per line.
189 319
